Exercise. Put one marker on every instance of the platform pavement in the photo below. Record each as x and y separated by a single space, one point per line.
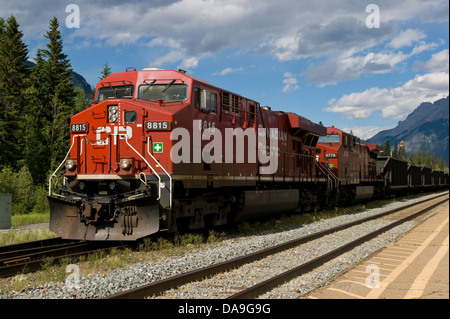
415 266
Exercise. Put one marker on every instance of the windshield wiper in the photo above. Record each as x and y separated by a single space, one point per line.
168 86
149 86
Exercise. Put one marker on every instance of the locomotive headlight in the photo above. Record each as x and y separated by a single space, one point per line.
113 116
125 164
71 165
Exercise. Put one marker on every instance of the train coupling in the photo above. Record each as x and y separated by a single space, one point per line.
101 210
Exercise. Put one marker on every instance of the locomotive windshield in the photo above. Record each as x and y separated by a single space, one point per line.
168 92
335 138
115 92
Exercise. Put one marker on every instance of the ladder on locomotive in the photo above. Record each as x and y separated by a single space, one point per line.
161 184
332 180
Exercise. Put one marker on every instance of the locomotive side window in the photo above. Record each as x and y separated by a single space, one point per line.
335 138
168 92
208 101
115 92
309 139
197 98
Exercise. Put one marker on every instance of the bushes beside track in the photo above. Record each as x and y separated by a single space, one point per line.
27 198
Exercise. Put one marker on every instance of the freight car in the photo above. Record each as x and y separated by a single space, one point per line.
160 150
399 177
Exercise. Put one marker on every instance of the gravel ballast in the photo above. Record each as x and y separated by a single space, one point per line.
98 285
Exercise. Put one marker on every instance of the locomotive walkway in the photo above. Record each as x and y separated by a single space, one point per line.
414 267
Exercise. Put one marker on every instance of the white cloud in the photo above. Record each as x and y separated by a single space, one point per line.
343 35
406 38
122 37
291 83
164 42
228 70
194 29
340 69
393 103
439 62
185 62
343 68
365 132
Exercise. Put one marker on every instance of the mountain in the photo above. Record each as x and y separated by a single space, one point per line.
426 127
77 81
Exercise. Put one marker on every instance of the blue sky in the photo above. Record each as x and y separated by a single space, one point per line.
328 61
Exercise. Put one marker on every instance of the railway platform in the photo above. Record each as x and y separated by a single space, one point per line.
416 266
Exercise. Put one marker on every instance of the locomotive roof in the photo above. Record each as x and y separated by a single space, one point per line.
298 121
140 76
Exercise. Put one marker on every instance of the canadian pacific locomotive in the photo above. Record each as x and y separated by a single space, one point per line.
162 150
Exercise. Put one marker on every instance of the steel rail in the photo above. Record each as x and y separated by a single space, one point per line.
31 244
32 250
269 284
33 262
155 288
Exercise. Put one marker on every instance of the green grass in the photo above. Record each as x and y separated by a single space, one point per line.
28 219
19 234
16 236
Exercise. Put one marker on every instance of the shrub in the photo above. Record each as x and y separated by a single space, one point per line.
26 197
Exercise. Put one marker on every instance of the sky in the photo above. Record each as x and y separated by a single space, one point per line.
361 66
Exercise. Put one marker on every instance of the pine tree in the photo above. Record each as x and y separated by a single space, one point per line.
39 120
106 71
3 109
441 163
395 151
412 159
13 81
402 153
418 158
433 161
423 157
387 148
58 93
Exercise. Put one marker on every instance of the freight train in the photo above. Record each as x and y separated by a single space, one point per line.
159 150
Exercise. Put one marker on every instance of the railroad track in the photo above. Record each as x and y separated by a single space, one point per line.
31 256
258 289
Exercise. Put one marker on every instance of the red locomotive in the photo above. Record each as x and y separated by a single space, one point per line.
162 150
353 165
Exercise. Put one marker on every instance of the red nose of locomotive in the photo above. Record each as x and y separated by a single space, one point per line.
116 175
103 139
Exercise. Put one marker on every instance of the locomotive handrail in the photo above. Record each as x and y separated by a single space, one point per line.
328 173
54 173
170 177
157 175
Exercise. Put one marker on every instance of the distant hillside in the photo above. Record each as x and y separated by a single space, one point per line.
427 126
77 80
